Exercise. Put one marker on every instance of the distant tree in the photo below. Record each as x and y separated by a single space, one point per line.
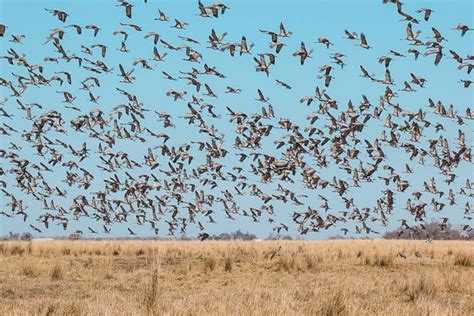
74 236
13 236
223 236
237 235
434 230
337 237
273 236
26 236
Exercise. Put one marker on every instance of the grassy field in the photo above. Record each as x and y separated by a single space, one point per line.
357 277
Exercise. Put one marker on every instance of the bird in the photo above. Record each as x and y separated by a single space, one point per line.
283 31
179 25
203 236
324 41
283 84
460 27
77 27
427 13
351 35
128 8
261 97
303 53
17 38
202 10
244 48
62 15
437 35
93 27
466 83
36 229
133 26
3 29
163 17
363 42
401 254
233 90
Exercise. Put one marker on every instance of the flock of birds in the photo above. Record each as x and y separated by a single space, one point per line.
179 185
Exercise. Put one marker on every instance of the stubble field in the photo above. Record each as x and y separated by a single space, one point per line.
354 277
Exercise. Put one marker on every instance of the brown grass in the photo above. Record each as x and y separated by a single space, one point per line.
152 294
358 277
56 273
464 260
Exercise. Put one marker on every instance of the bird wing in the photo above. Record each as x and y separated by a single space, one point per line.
124 74
282 28
388 78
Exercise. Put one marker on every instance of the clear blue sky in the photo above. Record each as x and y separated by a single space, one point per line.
308 20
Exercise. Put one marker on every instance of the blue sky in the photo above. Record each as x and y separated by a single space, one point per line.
308 20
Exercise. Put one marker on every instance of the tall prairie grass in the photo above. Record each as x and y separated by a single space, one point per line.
352 277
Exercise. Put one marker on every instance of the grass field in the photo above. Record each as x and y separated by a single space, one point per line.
356 277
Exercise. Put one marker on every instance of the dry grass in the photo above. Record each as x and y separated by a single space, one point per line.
463 259
56 273
268 277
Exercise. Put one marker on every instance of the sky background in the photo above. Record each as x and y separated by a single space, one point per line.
308 20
